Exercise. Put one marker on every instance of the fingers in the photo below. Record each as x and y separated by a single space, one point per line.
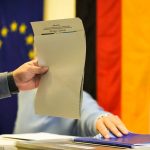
35 61
31 84
112 127
39 70
36 69
102 128
37 80
111 123
119 124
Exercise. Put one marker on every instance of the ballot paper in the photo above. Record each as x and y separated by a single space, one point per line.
60 45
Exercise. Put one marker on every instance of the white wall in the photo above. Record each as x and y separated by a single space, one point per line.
59 9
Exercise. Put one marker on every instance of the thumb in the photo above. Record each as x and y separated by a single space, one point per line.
39 69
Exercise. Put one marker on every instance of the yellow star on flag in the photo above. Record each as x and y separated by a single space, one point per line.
4 32
1 43
22 28
29 39
32 54
13 26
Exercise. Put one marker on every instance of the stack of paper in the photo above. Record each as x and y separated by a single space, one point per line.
37 136
55 141
31 140
61 46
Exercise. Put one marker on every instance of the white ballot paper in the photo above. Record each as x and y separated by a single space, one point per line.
60 45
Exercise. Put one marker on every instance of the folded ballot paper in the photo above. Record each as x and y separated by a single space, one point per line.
131 140
60 45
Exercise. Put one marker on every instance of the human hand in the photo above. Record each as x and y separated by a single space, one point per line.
28 75
110 123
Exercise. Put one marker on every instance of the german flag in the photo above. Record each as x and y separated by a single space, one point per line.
123 60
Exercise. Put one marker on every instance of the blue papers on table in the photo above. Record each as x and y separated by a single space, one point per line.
60 45
131 140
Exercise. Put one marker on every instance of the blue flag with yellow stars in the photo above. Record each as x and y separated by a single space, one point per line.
16 46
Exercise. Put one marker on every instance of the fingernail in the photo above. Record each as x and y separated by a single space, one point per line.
46 68
107 136
119 134
126 132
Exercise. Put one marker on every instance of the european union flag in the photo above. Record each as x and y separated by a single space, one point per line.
16 46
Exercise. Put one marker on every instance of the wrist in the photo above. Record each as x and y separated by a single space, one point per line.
11 84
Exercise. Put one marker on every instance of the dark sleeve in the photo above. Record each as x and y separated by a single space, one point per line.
4 88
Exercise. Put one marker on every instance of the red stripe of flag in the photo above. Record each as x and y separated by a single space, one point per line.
108 55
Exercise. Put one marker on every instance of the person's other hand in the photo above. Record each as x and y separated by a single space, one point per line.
28 75
110 123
